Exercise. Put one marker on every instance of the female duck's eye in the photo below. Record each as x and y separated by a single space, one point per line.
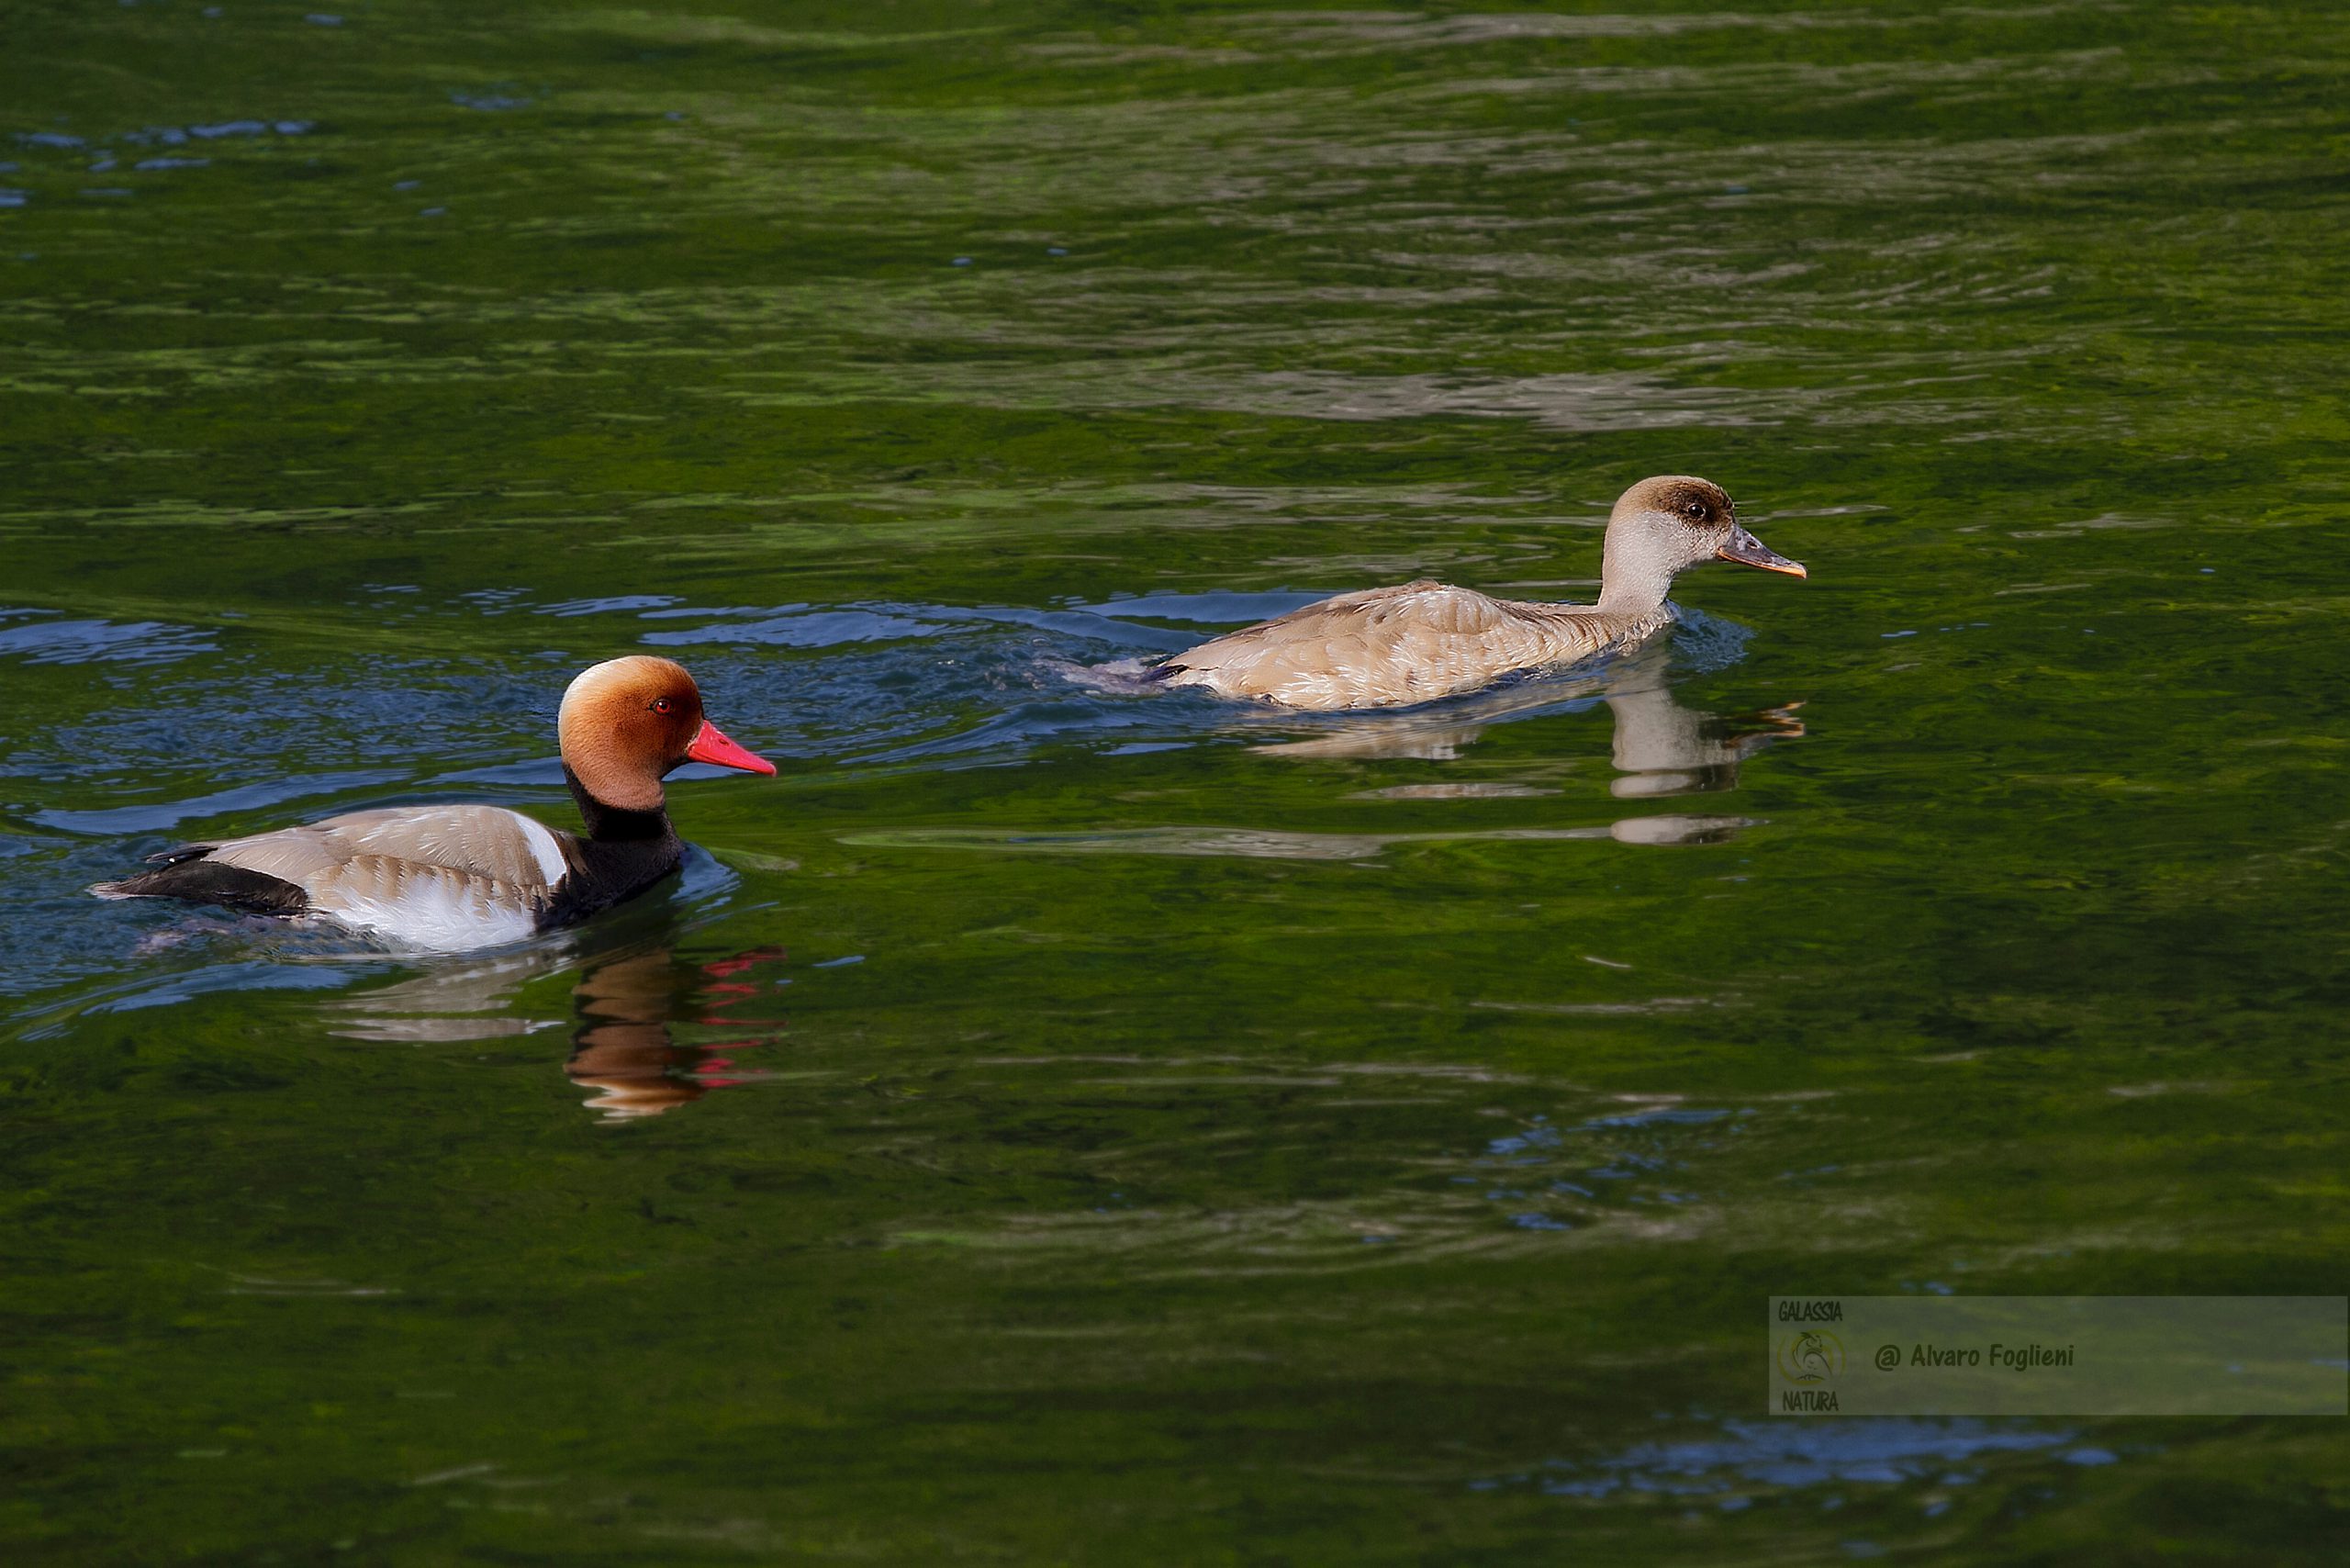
1695 509
663 706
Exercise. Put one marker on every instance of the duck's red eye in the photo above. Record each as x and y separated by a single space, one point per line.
663 706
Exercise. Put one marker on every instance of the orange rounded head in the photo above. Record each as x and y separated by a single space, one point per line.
627 722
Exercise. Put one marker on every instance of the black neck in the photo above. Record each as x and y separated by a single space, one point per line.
613 825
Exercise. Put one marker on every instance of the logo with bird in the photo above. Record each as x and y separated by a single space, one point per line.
1812 1356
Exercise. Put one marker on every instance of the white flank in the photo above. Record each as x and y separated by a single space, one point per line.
543 848
435 909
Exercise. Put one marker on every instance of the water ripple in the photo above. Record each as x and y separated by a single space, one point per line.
33 636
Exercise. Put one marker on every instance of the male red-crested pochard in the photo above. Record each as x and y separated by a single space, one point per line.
451 878
1393 646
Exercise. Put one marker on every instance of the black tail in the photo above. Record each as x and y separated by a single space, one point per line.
187 874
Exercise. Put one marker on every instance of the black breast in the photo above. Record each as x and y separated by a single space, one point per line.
608 871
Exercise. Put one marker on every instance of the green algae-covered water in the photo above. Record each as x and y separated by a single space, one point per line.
1053 1124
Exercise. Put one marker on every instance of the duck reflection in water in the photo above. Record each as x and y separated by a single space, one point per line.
625 1006
622 1047
1661 748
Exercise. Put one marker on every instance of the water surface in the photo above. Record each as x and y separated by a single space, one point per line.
1052 1124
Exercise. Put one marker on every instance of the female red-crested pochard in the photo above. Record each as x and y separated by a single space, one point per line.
451 878
1393 646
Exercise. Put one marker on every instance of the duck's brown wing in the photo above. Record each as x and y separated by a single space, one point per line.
1382 648
488 843
440 877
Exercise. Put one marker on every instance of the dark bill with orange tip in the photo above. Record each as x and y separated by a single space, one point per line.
1747 551
712 745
